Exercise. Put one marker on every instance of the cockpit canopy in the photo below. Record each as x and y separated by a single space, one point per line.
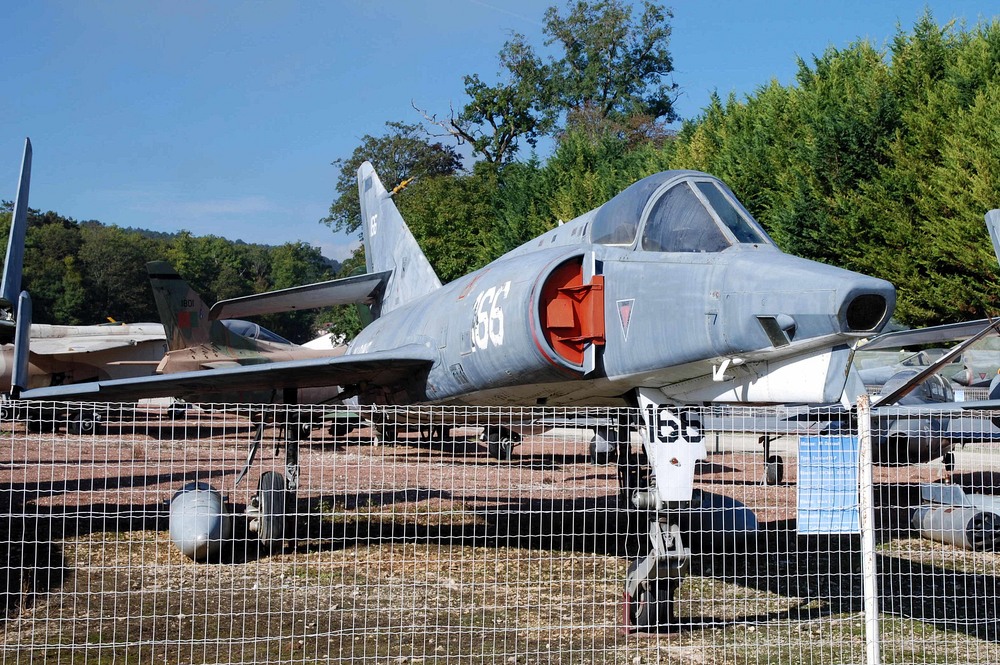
676 211
251 330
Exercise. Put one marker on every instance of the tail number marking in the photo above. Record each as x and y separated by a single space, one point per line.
487 327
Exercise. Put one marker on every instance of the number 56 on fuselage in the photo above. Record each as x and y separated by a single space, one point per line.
671 286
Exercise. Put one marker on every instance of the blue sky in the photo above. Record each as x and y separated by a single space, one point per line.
223 117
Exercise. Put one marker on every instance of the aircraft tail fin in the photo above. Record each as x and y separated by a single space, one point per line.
389 245
182 311
993 224
10 287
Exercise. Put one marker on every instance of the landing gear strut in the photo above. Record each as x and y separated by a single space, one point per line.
271 509
673 444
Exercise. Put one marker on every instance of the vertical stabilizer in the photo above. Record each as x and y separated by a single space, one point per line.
389 245
10 287
993 224
182 311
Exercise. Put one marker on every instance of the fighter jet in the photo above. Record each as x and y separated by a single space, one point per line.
670 294
67 354
199 340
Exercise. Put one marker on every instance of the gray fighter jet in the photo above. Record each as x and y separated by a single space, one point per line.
669 294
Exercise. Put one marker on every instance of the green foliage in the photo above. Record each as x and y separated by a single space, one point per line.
612 63
453 220
610 75
86 273
401 153
881 162
113 263
498 117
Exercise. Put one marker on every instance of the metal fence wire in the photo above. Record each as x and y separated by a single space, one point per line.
475 535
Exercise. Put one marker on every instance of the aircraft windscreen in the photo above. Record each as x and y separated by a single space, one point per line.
734 220
253 331
679 222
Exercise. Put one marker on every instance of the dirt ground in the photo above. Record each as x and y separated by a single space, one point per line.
415 551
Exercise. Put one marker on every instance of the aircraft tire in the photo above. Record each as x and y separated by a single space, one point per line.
274 501
602 452
982 532
652 608
774 470
83 423
40 427
949 461
499 446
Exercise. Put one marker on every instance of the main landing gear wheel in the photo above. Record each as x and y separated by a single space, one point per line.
499 446
652 608
774 470
949 461
604 445
83 422
271 505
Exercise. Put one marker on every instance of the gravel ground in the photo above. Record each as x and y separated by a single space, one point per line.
434 552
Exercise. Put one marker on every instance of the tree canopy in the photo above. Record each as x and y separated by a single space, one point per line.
608 68
88 273
880 160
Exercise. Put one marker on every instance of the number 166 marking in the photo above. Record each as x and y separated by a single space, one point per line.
666 427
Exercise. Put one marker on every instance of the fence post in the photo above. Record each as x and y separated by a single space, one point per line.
869 572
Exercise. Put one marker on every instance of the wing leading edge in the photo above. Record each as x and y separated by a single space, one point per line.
381 368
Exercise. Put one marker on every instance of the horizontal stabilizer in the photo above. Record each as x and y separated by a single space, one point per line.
381 368
360 289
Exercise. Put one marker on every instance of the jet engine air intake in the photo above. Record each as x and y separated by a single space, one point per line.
865 312
571 312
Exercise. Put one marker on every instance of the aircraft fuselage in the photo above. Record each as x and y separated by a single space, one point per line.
563 320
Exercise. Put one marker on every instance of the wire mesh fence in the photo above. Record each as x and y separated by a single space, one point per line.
484 535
